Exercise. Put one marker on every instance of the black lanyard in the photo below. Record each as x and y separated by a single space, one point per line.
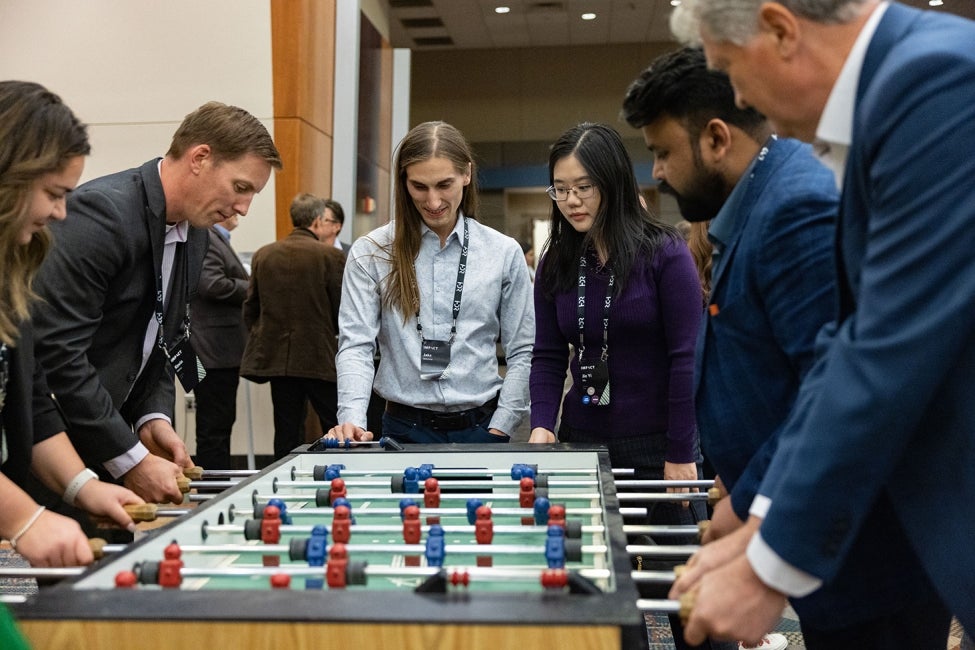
582 310
4 373
458 288
159 309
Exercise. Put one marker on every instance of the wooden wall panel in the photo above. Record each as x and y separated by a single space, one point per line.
303 65
307 156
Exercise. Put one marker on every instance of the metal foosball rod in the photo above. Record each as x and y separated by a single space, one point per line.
424 512
323 496
651 484
396 483
443 472
680 607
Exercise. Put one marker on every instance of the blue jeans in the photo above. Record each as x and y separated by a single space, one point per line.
411 433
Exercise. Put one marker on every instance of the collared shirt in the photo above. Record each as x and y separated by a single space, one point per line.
496 306
223 232
834 134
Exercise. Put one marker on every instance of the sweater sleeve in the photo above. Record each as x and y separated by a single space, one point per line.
679 292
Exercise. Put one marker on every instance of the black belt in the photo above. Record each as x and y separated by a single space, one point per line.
439 421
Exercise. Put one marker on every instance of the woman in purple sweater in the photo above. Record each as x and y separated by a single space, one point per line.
618 291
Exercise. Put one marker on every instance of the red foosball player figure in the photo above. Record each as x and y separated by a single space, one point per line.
431 498
484 533
338 490
170 569
556 516
338 562
411 532
526 498
280 581
271 533
271 525
341 524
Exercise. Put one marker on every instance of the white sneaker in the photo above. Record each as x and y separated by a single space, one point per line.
773 641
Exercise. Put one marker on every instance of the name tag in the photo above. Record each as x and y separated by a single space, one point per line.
189 369
594 378
434 358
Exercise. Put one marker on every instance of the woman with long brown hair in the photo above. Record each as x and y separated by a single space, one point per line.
42 154
438 291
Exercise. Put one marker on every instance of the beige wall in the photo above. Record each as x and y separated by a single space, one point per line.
133 70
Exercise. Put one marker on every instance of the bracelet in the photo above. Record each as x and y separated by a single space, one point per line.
78 482
30 522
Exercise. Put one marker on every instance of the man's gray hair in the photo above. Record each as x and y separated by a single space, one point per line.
735 21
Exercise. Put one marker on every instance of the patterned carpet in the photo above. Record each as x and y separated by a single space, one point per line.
658 629
14 586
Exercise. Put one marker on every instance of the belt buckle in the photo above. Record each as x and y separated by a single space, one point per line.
449 421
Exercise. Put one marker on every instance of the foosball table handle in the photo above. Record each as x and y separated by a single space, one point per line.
142 511
686 606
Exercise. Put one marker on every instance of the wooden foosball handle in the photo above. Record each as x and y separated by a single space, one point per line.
96 544
686 606
194 473
142 511
702 527
183 483
714 495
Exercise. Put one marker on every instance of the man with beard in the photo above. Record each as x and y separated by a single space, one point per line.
772 210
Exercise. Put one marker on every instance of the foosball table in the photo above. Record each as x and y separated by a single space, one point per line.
477 546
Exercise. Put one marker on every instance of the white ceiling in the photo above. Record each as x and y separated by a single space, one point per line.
473 24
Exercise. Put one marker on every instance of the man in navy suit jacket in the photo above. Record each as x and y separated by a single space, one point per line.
885 416
772 209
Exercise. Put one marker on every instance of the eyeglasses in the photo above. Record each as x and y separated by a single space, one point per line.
330 220
562 193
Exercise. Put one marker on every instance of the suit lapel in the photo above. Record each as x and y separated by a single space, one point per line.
765 163
767 159
155 212
851 231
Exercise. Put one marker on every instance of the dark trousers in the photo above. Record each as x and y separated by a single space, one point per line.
216 411
916 627
413 433
288 395
645 455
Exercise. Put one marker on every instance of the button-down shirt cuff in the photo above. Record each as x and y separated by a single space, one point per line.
151 416
120 465
760 506
504 420
777 573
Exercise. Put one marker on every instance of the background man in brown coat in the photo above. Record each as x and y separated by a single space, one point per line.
291 312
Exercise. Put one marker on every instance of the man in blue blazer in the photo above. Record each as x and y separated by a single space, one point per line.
885 417
112 322
772 208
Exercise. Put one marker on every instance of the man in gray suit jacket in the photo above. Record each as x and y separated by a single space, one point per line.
112 325
219 336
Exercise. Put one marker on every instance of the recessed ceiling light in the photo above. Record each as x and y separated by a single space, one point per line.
588 16
674 3
502 10
935 3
